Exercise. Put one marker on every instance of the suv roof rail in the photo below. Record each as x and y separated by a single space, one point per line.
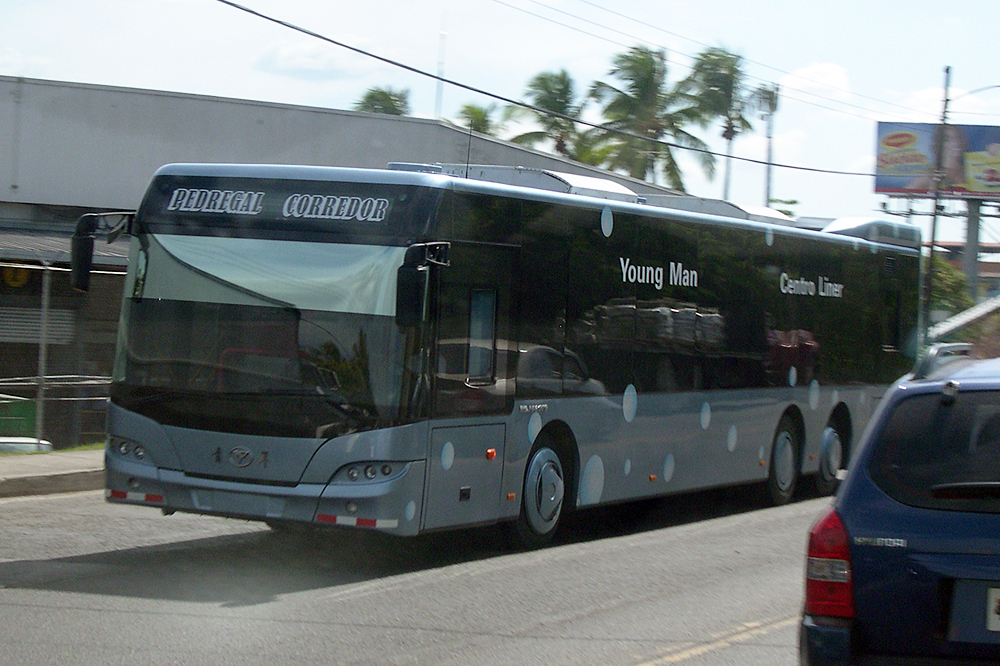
938 355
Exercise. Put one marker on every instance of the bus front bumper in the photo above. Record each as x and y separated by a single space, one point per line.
392 506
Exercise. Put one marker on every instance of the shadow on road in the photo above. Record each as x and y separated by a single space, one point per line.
258 566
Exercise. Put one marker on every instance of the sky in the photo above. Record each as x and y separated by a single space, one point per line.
841 66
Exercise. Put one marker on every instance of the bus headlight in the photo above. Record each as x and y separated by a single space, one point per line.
376 471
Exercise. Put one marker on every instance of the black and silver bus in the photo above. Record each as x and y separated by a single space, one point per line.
410 351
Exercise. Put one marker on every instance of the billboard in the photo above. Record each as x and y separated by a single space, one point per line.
970 160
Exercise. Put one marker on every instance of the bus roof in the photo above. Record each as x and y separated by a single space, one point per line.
541 185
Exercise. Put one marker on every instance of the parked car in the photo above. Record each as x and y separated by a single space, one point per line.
904 568
24 445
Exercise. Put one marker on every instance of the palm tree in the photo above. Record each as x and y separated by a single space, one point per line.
718 83
480 118
644 113
553 94
384 100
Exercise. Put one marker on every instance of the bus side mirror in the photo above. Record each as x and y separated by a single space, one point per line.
81 255
81 259
412 280
411 288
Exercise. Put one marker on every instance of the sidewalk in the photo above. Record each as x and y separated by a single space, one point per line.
44 473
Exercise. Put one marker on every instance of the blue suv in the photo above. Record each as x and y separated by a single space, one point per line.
904 568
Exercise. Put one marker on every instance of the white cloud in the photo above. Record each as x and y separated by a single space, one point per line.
15 63
926 105
824 79
312 61
788 146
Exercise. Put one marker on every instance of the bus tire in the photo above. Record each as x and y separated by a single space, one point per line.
783 473
542 496
831 457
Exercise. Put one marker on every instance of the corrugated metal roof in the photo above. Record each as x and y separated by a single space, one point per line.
19 245
25 325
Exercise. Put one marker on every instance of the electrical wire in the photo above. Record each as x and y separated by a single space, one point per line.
754 62
785 87
525 105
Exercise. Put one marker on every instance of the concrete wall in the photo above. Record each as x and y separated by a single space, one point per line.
67 144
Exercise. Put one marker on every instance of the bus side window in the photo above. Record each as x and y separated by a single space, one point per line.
891 323
482 334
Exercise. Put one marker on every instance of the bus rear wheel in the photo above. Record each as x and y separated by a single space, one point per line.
831 459
784 470
542 497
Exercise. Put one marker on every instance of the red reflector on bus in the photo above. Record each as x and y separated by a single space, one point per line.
118 494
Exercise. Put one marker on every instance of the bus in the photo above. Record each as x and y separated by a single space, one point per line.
410 349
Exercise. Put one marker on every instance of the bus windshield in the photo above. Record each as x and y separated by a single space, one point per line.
260 336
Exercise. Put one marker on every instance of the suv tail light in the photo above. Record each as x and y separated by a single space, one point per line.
828 569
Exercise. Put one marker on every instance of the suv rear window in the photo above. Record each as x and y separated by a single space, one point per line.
942 453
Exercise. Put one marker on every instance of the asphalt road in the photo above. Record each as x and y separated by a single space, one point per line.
712 578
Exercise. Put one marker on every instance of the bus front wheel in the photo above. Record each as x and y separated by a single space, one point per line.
542 497
784 470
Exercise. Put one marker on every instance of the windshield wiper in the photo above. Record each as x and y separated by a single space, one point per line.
967 490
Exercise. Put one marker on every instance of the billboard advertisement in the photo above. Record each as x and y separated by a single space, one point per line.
970 160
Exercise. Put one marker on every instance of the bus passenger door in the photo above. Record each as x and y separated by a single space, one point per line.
472 385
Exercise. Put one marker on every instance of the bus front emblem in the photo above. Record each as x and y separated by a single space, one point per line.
241 457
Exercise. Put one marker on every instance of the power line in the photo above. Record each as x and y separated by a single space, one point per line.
564 25
525 105
692 58
755 62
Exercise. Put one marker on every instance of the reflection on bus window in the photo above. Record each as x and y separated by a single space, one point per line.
482 317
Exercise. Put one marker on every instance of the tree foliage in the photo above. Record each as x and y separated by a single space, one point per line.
385 100
480 118
554 95
643 113
717 84
949 291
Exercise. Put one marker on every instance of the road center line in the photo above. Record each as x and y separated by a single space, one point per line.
748 631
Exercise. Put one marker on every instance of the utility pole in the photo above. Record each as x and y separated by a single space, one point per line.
43 351
938 177
771 105
440 72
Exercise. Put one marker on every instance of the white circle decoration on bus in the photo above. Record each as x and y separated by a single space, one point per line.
814 395
411 510
731 439
793 376
607 222
668 468
630 403
592 481
448 455
706 416
534 427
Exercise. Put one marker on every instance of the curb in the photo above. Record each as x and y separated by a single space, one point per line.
46 484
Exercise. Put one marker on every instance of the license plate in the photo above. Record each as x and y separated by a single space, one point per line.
993 609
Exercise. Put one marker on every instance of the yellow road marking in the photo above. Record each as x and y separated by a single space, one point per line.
748 631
